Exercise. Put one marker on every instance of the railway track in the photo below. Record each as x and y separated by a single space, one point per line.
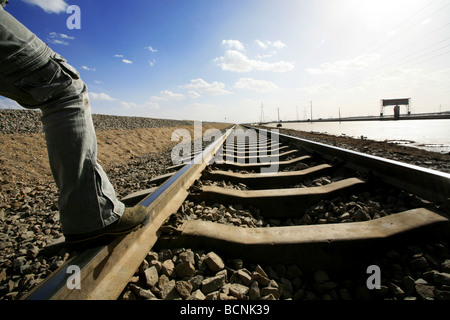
270 198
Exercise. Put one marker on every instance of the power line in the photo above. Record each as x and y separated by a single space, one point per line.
383 37
398 35
429 58
354 79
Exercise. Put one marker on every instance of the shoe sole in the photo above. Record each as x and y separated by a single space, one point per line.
109 234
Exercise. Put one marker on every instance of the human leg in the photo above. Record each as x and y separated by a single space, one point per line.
36 77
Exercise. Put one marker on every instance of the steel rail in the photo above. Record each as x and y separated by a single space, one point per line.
105 270
429 184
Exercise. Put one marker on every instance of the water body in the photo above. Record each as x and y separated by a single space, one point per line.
431 135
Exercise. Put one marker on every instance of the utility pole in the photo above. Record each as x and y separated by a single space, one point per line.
297 113
278 114
262 112
311 111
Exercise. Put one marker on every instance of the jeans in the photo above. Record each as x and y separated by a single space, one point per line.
36 77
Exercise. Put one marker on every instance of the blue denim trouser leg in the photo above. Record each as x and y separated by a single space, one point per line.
36 77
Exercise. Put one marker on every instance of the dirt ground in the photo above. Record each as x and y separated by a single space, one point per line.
24 159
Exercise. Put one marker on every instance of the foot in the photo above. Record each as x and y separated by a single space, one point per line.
132 219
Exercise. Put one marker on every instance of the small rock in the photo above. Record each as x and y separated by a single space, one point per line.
236 263
183 288
128 295
151 276
163 280
361 215
238 290
245 276
155 263
270 291
396 290
213 283
260 276
306 219
441 294
253 292
168 268
165 254
320 276
213 295
424 289
293 271
344 216
429 275
214 262
185 269
287 289
187 255
419 263
196 282
446 266
146 294
442 278
197 295
268 297
169 292
151 256
408 285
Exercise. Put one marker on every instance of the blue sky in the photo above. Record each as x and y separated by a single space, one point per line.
213 60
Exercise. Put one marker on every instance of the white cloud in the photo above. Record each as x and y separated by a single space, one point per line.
152 63
100 96
270 44
214 89
65 36
49 6
194 94
255 85
236 44
342 66
238 62
59 38
87 68
147 105
415 80
123 60
151 49
169 95
270 48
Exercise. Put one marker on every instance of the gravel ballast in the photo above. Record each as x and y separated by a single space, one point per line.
29 121
409 273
